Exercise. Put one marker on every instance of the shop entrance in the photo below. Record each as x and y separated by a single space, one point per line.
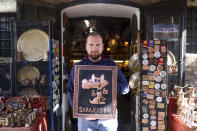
118 25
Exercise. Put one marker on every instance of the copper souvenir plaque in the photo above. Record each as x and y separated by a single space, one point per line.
95 92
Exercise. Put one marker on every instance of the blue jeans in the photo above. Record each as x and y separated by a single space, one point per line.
97 125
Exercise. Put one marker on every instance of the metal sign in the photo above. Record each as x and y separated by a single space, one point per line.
95 92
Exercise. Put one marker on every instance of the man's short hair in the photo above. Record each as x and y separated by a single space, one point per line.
94 34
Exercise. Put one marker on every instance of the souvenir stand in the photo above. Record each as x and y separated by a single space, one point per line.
169 25
153 76
178 119
35 78
27 110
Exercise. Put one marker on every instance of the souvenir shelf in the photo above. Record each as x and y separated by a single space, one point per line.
31 62
153 96
37 62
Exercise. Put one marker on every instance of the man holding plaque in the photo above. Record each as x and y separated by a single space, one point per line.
93 86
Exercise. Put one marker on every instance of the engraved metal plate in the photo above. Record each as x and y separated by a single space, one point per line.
95 92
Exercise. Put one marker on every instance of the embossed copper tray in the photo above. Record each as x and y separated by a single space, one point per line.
95 92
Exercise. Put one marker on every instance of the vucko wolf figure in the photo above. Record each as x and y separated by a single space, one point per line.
99 83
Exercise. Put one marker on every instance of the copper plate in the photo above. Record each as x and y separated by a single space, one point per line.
33 44
28 73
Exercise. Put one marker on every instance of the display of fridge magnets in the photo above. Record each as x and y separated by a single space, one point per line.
163 86
163 49
144 109
152 111
157 86
145 43
145 83
145 121
145 62
152 67
151 106
153 102
153 117
150 49
156 48
162 114
157 42
161 60
145 56
163 73
153 123
144 50
145 77
161 127
151 55
144 88
150 61
151 91
153 127
145 115
158 79
161 118
152 78
145 67
150 96
145 129
151 43
156 61
159 99
145 101
156 73
161 123
151 84
160 67
157 54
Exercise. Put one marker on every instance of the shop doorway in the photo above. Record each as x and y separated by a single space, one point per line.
118 24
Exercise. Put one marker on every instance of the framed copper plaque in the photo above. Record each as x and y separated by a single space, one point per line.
95 92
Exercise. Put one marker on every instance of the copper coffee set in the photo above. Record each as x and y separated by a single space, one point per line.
187 105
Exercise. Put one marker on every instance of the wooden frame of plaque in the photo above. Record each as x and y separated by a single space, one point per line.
95 92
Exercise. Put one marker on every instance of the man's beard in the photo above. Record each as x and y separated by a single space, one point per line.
94 56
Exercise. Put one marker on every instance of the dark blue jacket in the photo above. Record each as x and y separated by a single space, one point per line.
122 84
